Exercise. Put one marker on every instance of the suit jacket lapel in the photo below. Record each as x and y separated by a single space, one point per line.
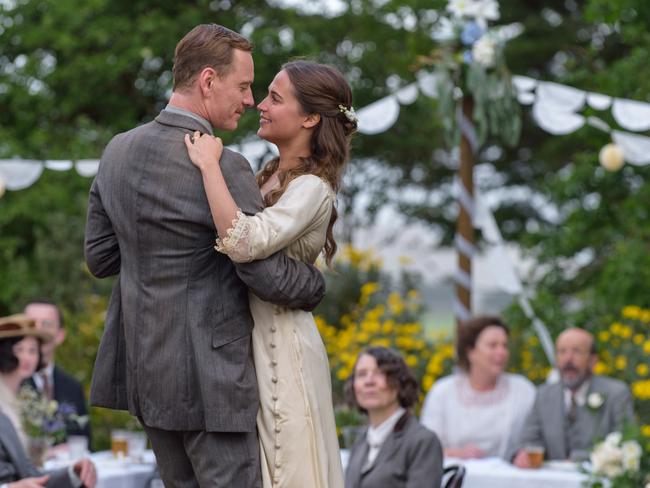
390 445
14 449
358 456
556 414
595 386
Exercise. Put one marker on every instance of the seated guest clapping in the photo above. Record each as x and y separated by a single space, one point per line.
479 410
570 415
395 451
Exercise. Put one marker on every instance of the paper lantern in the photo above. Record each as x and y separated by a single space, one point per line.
611 157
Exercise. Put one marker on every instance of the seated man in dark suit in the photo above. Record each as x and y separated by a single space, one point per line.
52 381
17 471
568 416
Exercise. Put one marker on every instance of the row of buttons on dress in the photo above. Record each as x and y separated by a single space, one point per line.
276 414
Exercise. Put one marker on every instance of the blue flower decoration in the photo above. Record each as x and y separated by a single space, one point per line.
472 32
467 57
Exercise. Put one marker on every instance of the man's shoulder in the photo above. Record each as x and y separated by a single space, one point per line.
609 385
125 137
546 389
230 157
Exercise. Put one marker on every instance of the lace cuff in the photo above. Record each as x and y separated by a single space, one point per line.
236 244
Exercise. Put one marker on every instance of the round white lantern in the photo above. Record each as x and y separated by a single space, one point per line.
611 157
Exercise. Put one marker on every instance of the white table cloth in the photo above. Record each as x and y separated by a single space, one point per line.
496 473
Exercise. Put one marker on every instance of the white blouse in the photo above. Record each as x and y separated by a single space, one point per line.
491 420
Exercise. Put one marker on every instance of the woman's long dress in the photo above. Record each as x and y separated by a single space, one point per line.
297 431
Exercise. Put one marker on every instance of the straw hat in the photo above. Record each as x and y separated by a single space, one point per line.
21 325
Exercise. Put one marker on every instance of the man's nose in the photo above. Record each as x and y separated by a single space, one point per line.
249 101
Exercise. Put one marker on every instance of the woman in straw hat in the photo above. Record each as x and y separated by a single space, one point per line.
20 357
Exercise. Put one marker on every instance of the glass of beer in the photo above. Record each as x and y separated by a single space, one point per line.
120 443
535 455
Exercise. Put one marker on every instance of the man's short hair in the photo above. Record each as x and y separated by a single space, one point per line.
207 45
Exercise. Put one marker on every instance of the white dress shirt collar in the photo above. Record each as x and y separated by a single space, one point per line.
376 436
38 376
580 395
198 118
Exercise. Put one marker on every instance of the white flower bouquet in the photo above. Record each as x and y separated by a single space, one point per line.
619 461
43 418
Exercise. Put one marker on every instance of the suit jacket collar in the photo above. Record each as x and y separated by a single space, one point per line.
183 121
390 445
13 448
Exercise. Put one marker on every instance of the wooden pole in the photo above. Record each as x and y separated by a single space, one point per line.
465 224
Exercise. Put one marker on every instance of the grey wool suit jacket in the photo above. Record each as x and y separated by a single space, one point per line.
176 348
411 457
547 423
14 463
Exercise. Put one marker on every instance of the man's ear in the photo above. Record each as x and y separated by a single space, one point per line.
206 78
311 121
59 336
593 359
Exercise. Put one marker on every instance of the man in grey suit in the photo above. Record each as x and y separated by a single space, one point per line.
568 416
17 470
176 350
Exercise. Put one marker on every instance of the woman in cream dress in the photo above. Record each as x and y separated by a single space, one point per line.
308 115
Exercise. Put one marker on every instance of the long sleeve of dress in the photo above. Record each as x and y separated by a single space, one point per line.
304 204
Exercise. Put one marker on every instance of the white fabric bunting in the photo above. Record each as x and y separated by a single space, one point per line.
599 101
636 148
555 108
555 120
19 174
631 115
378 116
59 165
408 94
87 167
563 97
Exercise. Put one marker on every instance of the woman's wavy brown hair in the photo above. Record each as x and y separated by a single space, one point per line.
319 89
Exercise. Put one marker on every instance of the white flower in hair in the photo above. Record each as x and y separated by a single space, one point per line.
349 113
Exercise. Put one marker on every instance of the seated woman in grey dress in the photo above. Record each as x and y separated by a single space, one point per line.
395 451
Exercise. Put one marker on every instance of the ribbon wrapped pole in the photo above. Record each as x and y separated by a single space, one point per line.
465 225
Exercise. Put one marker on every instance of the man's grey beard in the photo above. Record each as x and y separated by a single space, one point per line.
576 383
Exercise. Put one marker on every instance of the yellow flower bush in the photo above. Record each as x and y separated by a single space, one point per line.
382 315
